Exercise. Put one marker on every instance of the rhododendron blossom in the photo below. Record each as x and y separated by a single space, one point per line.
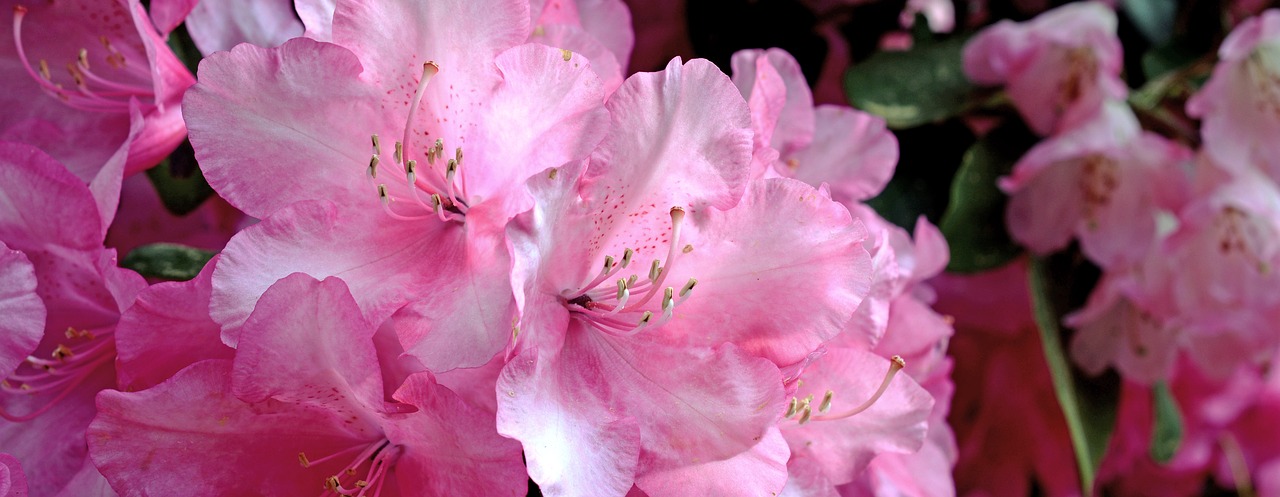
660 369
302 404
63 295
415 133
1058 68
76 70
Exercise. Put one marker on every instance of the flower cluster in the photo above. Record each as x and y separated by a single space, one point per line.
460 249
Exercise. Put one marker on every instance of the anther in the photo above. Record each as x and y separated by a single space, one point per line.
75 74
377 148
44 70
302 459
826 402
655 270
644 318
83 58
62 353
668 303
608 263
410 172
457 154
792 408
626 257
382 194
332 483
450 170
373 166
71 333
688 287
399 155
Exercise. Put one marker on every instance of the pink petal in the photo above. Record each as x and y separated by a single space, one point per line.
931 250
317 17
44 203
189 434
52 446
587 450
221 24
760 471
853 152
13 482
168 328
168 14
306 342
680 137
275 126
452 447
805 479
798 286
607 21
24 312
795 124
843 447
380 258
766 95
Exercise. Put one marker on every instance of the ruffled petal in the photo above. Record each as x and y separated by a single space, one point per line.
217 25
23 311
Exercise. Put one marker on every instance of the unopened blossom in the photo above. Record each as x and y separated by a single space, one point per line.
301 409
59 354
395 158
1239 106
1103 182
1058 68
73 71
653 293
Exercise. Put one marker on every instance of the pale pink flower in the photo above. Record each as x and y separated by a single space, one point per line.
616 349
1057 68
1127 324
849 150
1240 104
597 29
221 24
73 72
461 114
300 409
62 352
1103 182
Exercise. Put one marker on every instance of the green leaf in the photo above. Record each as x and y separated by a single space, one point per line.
167 261
1167 434
179 182
1090 418
922 85
974 220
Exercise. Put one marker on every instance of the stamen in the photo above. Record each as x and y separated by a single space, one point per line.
44 70
895 364
626 257
826 402
429 69
377 148
83 58
655 270
792 408
399 155
658 275
688 287
373 167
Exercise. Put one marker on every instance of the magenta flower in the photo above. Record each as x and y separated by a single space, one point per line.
75 70
420 222
1058 68
60 351
1240 104
1104 182
659 371
299 410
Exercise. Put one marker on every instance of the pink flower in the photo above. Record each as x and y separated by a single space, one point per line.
62 349
222 24
1240 104
851 151
1058 68
79 67
1104 182
663 373
284 135
301 408
13 483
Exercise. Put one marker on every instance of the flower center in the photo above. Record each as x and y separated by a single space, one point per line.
620 309
437 191
1239 236
87 89
366 472
1082 69
69 365
1098 180
804 407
